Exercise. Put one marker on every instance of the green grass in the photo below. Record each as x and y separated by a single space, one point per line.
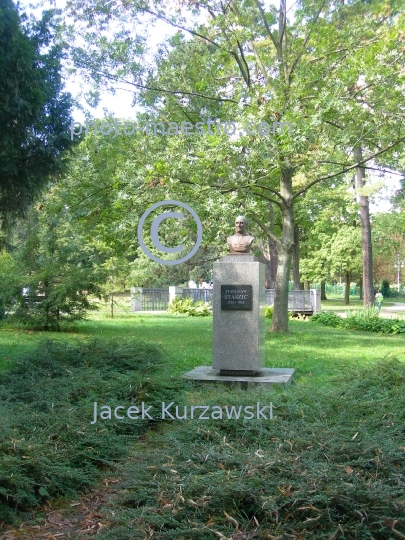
316 352
337 304
329 465
330 461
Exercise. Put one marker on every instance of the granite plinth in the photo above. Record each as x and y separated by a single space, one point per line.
265 377
238 334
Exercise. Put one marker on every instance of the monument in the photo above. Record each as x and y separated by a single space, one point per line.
238 347
238 307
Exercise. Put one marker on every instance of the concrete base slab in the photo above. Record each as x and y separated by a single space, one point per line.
265 377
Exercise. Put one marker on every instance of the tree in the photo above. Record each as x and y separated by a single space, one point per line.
108 185
34 110
345 255
54 271
262 68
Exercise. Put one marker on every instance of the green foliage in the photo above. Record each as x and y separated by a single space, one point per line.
370 313
327 318
186 306
52 260
329 463
366 319
9 281
34 111
47 444
268 312
385 286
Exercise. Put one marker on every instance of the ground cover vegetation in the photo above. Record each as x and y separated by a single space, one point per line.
367 319
48 446
186 306
328 463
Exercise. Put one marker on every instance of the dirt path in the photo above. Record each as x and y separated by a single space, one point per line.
79 520
389 312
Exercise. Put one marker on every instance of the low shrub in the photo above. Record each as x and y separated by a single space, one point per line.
327 318
48 445
329 465
186 306
366 320
268 312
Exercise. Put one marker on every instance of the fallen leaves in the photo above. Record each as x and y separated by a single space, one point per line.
56 519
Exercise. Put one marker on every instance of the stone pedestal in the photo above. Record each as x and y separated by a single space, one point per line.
238 315
136 299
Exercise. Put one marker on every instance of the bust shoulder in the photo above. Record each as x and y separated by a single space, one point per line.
240 243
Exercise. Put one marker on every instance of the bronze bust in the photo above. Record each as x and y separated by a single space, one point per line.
240 242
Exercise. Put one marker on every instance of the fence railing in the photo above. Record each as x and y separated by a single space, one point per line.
198 294
149 299
299 301
158 299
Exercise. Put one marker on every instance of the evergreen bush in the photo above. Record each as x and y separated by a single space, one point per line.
48 445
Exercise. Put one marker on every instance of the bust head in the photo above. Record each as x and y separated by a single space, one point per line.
240 225
241 241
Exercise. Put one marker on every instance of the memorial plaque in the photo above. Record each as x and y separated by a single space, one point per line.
236 297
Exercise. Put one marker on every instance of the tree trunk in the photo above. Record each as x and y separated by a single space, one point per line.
280 313
271 261
272 251
267 267
284 249
347 289
296 260
323 290
367 253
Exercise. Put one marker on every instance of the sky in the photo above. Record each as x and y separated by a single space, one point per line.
120 105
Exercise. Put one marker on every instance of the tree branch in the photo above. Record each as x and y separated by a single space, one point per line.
270 199
299 55
332 124
266 24
248 82
192 32
245 75
271 191
265 229
347 169
163 90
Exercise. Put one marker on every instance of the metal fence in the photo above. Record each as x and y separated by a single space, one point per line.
155 299
198 294
299 301
158 299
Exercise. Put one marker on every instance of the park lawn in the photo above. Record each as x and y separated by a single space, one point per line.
316 352
331 455
337 304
